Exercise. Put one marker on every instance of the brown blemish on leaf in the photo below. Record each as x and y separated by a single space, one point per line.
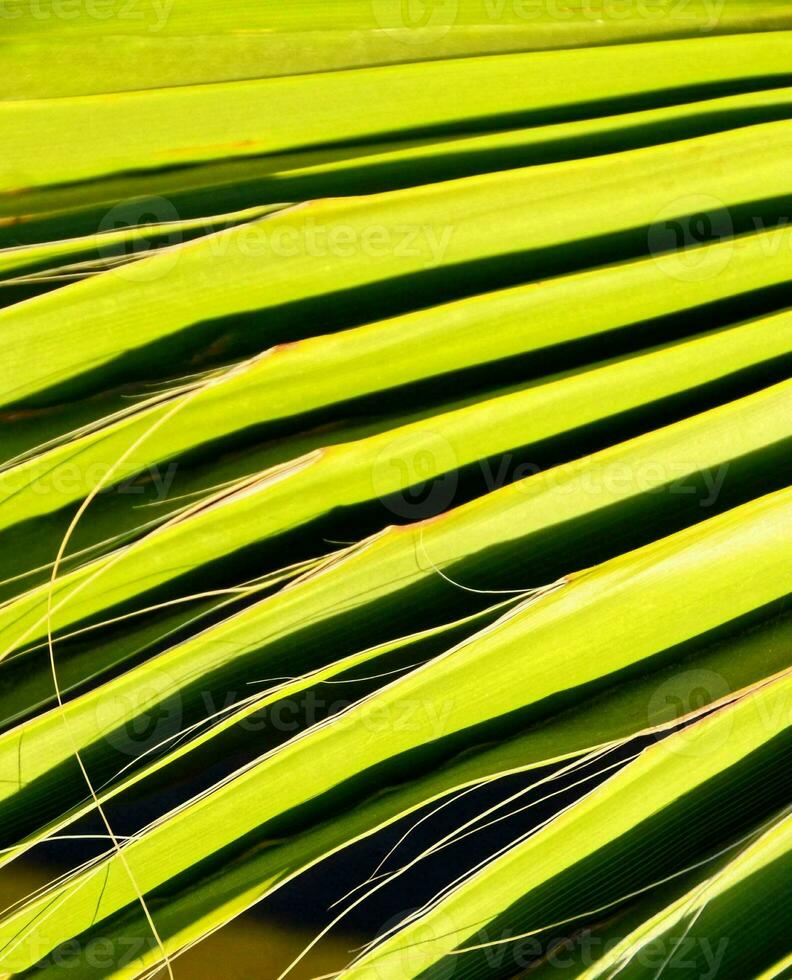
14 219
25 414
214 350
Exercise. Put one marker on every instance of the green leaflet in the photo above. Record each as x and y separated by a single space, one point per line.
652 819
755 262
211 16
191 294
325 371
572 954
374 167
298 493
605 622
135 507
159 128
614 500
110 244
125 640
469 466
615 715
778 970
744 898
721 669
401 233
380 664
596 507
160 43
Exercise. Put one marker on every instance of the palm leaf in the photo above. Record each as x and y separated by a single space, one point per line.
396 419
